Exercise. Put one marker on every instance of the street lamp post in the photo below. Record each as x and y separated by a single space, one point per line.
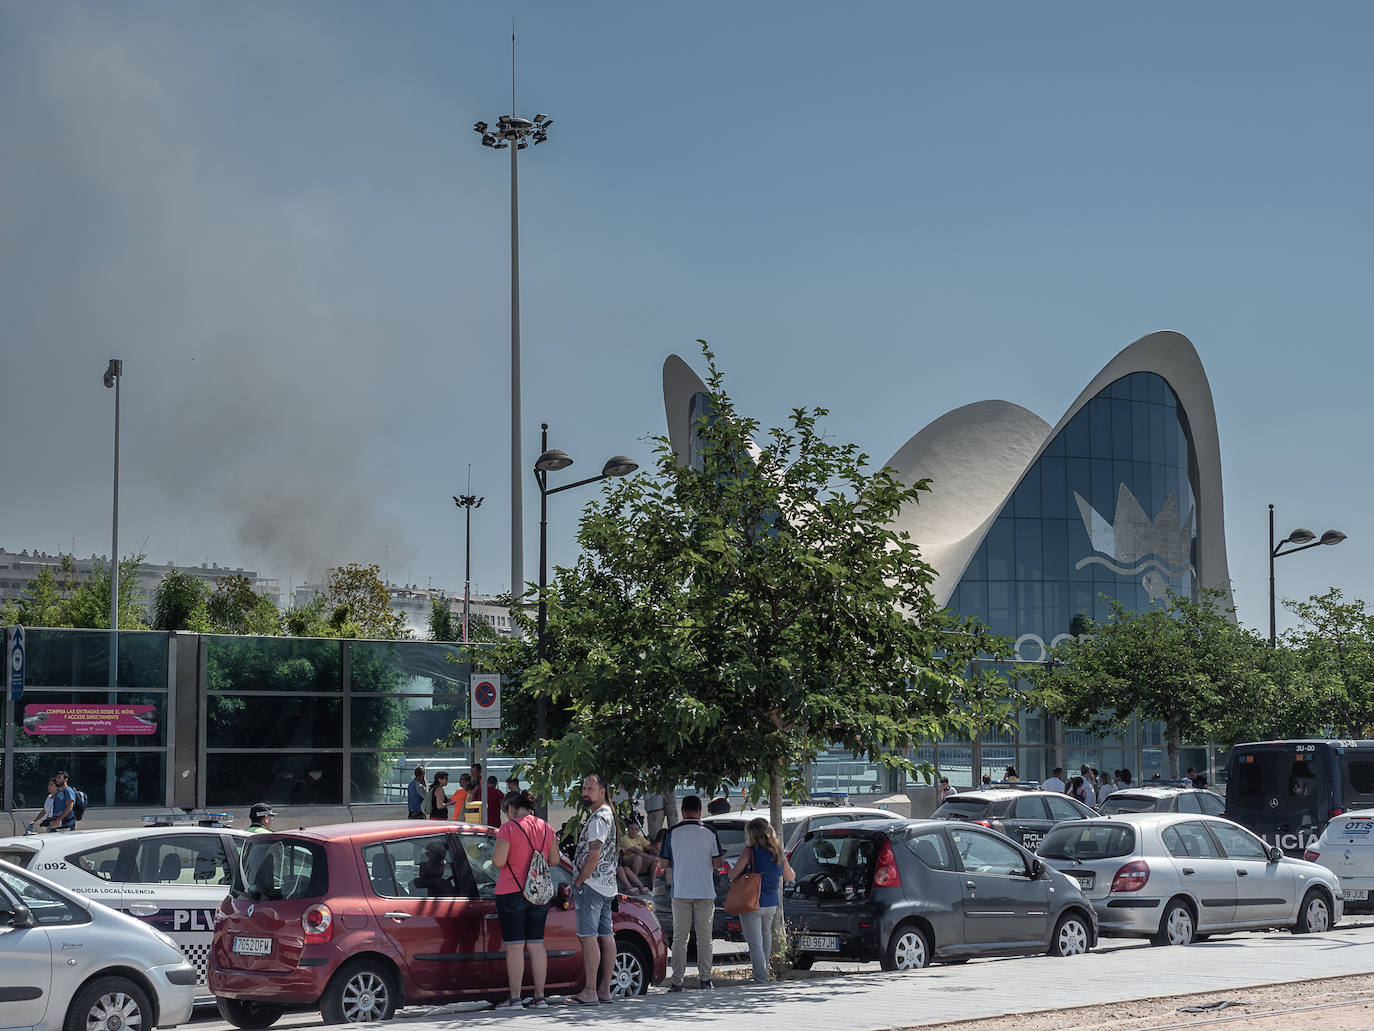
552 460
1304 539
467 502
515 134
114 372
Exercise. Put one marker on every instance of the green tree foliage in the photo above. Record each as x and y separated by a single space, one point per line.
43 604
1331 656
178 602
725 623
360 604
446 623
233 607
1185 664
89 604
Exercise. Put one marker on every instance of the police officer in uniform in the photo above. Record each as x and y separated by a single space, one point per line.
260 818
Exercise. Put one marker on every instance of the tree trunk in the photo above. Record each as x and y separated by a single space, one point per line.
778 961
1172 746
670 811
775 802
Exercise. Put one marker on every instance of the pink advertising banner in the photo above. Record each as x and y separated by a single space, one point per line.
90 719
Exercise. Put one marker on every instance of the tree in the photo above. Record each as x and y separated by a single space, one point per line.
1333 660
1185 664
726 622
89 603
178 602
360 604
447 625
43 603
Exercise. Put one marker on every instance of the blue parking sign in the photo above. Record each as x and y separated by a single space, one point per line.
14 648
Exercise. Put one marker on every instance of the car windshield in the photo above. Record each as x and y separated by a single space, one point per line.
1271 779
731 836
968 808
281 870
1093 841
1114 804
1357 772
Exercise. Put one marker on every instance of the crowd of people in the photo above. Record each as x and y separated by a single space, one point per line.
1090 786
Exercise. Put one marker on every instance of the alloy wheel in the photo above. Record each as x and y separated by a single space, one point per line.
114 1011
627 976
1180 926
1318 915
909 952
365 997
1073 938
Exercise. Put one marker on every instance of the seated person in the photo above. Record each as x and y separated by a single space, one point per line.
429 874
636 858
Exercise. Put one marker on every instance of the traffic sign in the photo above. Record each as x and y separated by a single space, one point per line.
486 701
14 648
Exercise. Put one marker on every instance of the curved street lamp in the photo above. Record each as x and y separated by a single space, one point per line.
1303 538
552 460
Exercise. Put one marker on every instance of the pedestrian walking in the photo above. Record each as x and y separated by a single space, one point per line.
691 848
63 804
1108 785
438 796
520 838
494 801
765 857
1055 782
44 817
594 890
415 796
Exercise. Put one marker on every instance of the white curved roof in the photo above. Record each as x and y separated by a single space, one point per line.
975 456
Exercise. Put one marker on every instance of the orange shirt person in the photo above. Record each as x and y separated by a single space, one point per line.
459 799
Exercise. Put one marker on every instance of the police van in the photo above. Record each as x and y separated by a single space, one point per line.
172 873
1287 791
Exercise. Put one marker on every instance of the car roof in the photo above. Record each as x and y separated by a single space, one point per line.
1159 791
379 829
999 795
1149 819
797 812
37 842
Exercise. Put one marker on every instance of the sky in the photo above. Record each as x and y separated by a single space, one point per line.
279 217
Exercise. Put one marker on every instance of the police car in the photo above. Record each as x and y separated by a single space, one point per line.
1346 848
172 873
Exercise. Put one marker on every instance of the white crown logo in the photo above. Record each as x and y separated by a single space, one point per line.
1137 540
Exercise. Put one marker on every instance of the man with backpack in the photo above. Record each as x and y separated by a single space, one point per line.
68 805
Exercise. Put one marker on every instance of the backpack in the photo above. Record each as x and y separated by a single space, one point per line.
538 886
79 806
427 803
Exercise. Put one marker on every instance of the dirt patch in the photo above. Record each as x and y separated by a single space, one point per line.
1337 1004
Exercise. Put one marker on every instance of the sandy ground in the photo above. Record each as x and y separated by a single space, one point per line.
1336 1004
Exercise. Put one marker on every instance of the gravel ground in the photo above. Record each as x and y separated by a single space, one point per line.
1342 1004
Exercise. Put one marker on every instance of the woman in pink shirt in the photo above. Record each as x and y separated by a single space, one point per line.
520 835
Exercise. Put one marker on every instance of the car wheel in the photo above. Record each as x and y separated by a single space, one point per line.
1314 915
1176 927
630 975
249 1015
907 949
1071 936
363 991
110 1004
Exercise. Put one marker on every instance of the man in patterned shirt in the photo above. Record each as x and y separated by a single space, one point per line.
593 891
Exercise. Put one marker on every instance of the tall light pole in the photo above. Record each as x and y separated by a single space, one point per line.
550 461
1305 539
515 134
467 502
114 372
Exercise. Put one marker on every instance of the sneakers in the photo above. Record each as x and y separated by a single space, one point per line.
707 983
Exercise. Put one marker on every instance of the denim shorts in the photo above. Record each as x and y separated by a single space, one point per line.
521 920
593 912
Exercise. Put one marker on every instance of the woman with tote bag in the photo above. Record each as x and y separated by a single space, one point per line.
764 859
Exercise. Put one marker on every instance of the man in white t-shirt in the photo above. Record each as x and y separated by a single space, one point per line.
1108 786
1055 783
594 890
692 848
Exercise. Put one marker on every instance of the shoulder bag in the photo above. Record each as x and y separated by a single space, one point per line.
538 886
743 896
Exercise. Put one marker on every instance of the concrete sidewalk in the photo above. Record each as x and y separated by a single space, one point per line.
867 1002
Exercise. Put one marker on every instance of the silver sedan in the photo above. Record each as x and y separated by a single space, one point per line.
69 963
1177 877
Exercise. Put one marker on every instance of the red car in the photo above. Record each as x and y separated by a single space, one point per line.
358 919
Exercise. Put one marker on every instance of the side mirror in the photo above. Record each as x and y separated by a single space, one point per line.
1037 869
1275 854
22 917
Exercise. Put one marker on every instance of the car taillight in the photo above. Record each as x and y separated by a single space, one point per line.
318 924
724 868
1311 856
1131 877
1335 812
885 875
982 823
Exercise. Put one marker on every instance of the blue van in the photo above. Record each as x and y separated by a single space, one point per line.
1286 791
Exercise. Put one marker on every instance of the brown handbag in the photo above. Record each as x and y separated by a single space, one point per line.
743 896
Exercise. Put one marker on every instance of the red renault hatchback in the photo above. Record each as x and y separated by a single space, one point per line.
358 919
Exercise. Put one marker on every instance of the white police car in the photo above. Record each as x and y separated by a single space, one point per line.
1346 848
172 873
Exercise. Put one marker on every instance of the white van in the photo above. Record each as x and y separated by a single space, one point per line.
1346 848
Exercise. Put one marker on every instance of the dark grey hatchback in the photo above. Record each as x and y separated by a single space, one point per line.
906 893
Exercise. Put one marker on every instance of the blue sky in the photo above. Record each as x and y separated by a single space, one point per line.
279 217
